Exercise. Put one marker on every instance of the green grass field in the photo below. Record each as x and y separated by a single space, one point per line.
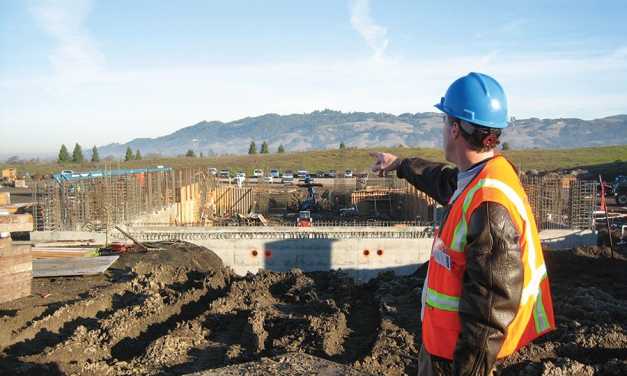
356 159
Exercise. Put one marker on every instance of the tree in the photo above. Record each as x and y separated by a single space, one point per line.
64 155
342 146
252 149
201 155
77 154
95 157
190 153
138 155
264 148
505 146
129 154
281 149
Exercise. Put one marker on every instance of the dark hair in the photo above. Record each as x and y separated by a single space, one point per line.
479 138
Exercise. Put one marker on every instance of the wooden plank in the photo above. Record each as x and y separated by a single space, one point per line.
5 242
5 198
15 290
15 264
72 266
15 250
10 209
16 222
10 278
58 252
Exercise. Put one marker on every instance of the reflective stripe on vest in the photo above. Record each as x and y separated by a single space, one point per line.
442 301
459 236
539 316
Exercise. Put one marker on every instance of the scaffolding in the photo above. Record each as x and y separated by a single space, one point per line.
561 201
97 204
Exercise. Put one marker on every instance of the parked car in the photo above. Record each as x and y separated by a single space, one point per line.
348 173
275 173
225 174
302 174
213 171
257 173
288 177
319 174
332 174
268 179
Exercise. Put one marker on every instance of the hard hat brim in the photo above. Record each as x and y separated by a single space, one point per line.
440 107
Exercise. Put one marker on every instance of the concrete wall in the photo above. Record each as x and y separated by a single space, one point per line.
362 252
353 249
567 239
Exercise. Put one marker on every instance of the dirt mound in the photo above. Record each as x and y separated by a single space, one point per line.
174 252
178 310
294 364
599 251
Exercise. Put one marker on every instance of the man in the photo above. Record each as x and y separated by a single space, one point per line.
486 293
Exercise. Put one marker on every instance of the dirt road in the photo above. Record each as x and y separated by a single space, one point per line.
179 311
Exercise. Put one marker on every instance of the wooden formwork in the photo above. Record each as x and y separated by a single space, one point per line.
188 208
405 202
16 265
229 200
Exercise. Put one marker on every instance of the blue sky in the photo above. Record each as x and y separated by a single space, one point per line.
96 71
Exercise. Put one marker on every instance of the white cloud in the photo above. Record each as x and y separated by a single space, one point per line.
75 53
102 105
374 35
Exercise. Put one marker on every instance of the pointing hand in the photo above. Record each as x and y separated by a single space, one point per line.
384 163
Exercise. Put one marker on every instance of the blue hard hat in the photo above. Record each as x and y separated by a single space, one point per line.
476 98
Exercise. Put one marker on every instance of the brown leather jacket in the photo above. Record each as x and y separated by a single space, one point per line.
493 280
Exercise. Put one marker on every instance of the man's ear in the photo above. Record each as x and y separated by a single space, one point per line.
454 129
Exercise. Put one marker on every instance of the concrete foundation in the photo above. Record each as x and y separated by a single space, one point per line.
567 238
362 252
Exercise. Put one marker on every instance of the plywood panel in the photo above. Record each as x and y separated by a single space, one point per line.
17 289
16 222
14 250
72 266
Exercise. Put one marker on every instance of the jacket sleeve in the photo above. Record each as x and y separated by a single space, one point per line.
491 290
437 180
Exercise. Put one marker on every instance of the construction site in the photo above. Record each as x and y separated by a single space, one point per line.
164 271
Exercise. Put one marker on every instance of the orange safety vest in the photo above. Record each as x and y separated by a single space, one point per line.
496 182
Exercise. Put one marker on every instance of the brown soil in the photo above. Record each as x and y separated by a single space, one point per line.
179 311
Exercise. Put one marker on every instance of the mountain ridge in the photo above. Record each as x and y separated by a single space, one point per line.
327 129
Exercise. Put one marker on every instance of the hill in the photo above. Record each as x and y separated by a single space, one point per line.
327 129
